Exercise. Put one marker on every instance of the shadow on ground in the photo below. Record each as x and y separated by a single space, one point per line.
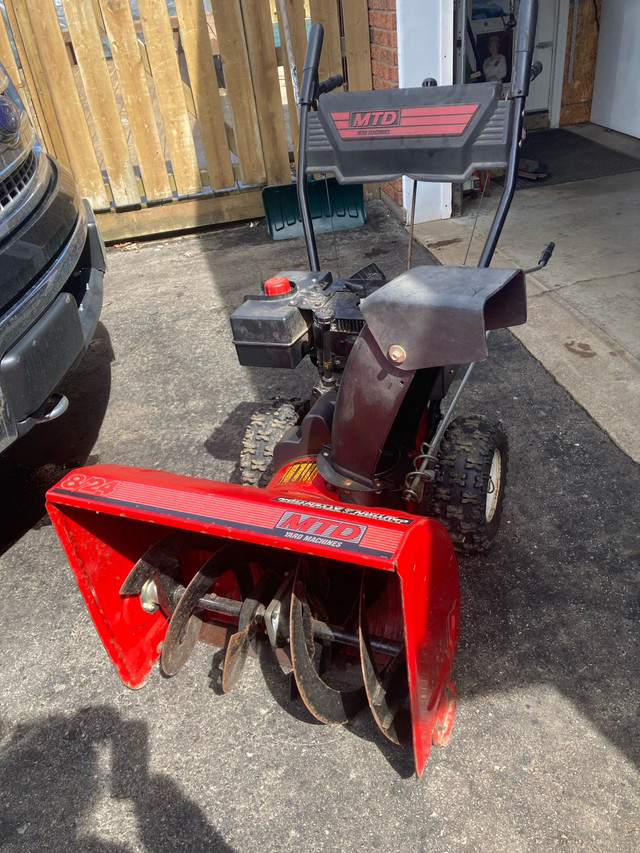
56 773
556 601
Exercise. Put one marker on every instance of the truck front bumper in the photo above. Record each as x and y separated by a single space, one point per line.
32 367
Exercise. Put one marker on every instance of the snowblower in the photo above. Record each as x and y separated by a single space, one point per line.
344 564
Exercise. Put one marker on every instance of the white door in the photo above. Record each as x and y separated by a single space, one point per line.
616 95
540 90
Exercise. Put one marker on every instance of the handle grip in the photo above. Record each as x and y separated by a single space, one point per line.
330 83
308 90
545 257
536 70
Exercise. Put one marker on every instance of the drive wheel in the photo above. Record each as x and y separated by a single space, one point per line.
265 430
470 482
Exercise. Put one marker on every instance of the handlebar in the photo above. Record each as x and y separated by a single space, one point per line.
524 49
309 88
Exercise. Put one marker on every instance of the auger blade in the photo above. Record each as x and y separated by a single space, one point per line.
240 642
388 691
162 561
184 626
326 703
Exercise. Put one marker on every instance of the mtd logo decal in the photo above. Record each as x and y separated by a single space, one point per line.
321 531
375 119
441 120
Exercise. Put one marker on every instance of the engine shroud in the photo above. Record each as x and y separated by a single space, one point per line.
278 331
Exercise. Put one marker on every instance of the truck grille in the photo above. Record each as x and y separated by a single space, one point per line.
17 181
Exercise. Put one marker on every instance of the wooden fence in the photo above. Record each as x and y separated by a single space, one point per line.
173 114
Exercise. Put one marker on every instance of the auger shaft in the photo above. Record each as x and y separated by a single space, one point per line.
321 630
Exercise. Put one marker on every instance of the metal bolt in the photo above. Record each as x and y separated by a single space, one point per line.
397 353
149 596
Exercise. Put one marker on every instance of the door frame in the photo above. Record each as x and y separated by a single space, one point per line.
559 56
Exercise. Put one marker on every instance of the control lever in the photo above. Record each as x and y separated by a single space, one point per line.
536 70
545 257
357 287
330 83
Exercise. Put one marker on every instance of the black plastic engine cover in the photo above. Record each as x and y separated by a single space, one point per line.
275 331
437 133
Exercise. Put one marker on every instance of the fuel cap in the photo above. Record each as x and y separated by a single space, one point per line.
277 285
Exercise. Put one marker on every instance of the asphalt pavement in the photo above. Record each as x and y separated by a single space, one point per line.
545 750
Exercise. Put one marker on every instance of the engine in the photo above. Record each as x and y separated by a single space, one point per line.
300 313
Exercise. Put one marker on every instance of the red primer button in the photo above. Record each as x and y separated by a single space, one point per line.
276 285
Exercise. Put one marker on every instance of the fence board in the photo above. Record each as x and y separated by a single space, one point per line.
87 46
6 54
326 12
291 100
50 133
125 50
204 87
237 75
143 89
256 15
97 11
180 215
64 94
11 67
158 37
294 10
296 13
355 16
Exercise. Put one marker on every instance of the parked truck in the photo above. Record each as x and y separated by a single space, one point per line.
52 263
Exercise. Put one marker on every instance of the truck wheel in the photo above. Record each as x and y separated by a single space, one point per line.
470 482
265 430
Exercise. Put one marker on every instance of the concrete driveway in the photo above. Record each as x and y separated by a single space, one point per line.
545 750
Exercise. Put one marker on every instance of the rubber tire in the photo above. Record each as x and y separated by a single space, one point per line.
463 483
265 430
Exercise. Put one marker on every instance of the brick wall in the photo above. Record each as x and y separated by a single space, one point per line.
384 63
